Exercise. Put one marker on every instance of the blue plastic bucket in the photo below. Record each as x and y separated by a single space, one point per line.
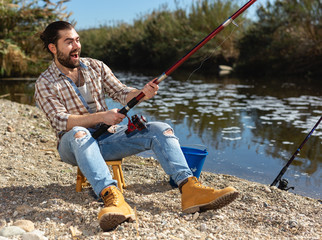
195 159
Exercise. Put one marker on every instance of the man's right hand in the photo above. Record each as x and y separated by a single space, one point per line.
112 117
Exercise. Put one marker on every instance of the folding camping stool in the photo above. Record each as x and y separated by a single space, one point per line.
117 175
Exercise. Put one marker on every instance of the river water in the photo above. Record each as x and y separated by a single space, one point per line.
250 128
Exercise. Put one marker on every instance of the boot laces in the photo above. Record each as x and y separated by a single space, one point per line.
198 184
112 197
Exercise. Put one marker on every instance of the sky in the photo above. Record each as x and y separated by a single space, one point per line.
93 13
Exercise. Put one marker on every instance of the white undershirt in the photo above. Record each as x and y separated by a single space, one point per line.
88 97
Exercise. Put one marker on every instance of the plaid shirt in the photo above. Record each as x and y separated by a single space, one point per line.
55 95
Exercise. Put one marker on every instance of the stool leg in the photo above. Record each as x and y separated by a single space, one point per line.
116 173
79 180
122 177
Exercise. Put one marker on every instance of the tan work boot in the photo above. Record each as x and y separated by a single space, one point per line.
195 197
116 210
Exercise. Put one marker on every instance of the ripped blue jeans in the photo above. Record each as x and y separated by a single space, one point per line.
89 154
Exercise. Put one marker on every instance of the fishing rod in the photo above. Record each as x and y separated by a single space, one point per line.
283 182
103 128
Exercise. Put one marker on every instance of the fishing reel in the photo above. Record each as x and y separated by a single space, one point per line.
136 123
283 185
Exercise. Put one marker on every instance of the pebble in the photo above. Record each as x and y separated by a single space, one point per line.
267 189
26 225
293 224
203 227
10 129
195 216
36 235
11 231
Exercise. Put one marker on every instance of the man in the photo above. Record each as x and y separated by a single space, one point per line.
72 94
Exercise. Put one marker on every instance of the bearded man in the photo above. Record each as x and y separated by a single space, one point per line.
72 93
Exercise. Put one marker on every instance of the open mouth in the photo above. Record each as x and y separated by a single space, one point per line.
74 56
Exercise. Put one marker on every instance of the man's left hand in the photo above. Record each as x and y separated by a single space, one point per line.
150 90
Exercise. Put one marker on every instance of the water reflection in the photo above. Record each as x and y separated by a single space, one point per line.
251 128
18 91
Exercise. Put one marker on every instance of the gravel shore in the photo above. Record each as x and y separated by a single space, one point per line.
39 201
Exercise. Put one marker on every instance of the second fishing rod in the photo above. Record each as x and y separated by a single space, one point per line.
134 101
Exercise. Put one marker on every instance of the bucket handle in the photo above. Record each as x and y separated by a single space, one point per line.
197 145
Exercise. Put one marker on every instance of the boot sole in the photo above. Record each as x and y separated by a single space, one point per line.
214 205
111 220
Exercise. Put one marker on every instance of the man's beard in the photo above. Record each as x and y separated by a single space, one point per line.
66 61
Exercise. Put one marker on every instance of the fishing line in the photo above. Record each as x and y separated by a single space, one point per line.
213 52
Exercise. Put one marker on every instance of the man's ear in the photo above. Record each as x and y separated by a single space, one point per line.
52 48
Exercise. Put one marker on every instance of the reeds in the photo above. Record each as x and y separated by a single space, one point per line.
161 37
12 58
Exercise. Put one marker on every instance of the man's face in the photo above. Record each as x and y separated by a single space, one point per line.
68 48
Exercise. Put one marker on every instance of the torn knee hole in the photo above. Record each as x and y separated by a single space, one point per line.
168 132
80 134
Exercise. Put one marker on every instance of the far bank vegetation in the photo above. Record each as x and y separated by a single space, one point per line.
282 39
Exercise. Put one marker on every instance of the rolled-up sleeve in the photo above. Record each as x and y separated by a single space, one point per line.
113 87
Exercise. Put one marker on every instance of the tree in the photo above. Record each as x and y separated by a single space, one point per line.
286 40
20 23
